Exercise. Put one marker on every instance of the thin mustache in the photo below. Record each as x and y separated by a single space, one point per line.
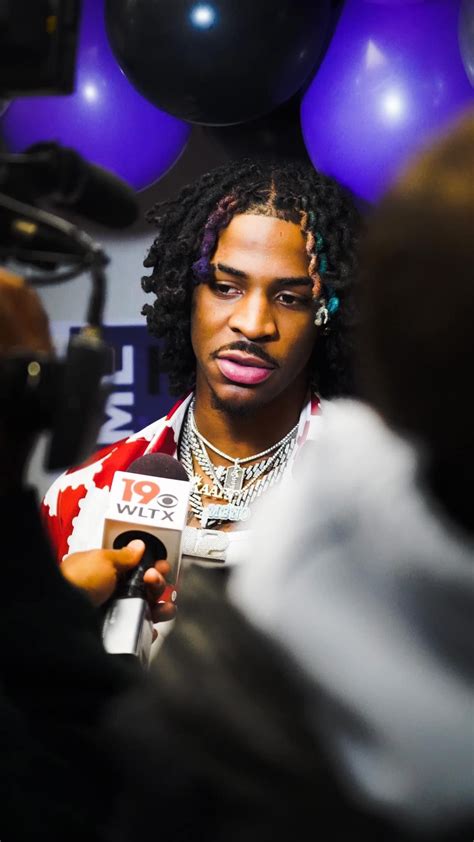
246 348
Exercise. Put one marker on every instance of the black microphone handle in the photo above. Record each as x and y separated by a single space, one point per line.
133 585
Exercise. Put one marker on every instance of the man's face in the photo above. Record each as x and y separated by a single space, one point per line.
252 326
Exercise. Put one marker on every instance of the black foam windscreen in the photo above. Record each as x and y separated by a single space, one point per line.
158 465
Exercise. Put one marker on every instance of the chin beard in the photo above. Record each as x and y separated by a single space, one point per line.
236 408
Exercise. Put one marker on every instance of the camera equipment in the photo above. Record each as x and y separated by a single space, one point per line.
60 175
64 396
38 41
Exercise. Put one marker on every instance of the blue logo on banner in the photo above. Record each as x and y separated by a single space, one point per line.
139 389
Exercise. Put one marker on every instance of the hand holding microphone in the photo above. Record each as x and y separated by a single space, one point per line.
148 502
98 572
143 530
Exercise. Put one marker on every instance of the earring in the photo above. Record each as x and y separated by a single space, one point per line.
321 317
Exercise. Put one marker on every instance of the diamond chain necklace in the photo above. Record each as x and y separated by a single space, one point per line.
232 458
230 481
234 476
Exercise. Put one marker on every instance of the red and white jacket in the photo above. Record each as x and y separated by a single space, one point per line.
74 506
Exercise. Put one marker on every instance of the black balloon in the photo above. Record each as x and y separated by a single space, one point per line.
276 134
218 62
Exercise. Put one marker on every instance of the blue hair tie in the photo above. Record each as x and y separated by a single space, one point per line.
322 264
333 305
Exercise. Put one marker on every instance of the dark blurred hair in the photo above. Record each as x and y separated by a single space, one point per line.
223 740
188 229
417 286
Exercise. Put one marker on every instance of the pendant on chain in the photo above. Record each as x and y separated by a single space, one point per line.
224 512
234 478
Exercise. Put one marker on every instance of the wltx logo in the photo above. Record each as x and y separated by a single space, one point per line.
144 499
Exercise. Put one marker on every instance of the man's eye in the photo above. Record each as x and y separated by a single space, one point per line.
224 289
291 300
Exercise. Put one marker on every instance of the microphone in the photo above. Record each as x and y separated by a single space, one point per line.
149 502
61 175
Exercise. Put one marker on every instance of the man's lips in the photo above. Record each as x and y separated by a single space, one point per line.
244 368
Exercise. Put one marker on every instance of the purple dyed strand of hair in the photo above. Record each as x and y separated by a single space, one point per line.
218 220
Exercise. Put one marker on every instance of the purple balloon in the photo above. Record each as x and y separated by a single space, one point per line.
106 120
395 2
391 80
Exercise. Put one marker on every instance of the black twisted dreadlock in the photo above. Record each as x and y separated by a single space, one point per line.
188 230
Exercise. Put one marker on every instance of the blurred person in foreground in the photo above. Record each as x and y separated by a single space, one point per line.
335 686
55 678
377 553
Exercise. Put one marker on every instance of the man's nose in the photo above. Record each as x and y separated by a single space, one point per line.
252 316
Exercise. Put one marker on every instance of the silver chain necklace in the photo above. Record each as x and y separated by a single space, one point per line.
237 486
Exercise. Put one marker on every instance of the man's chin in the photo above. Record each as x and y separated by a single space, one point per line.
243 402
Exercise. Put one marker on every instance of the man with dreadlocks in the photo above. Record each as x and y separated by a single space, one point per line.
253 270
